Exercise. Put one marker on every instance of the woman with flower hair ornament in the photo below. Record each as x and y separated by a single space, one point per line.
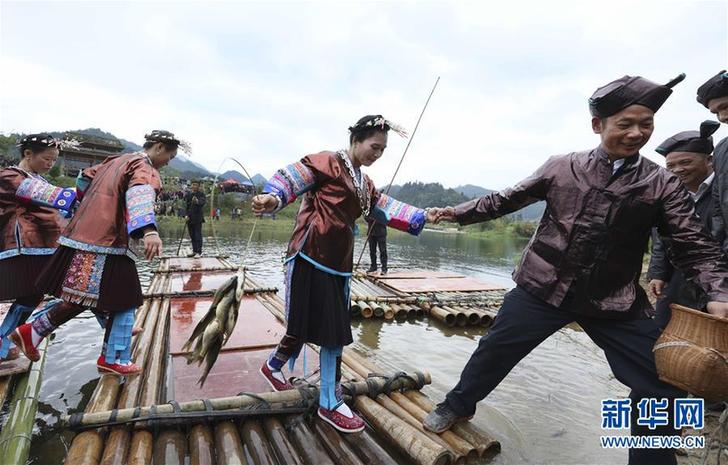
334 193
29 229
94 267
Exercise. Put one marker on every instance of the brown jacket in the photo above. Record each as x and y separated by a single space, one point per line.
36 226
324 230
587 251
105 219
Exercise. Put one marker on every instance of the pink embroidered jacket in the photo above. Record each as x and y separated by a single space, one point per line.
118 198
29 218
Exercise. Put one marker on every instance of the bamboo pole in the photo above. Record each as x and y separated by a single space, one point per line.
457 444
236 402
256 443
17 431
285 450
468 431
354 308
170 448
117 443
366 310
388 312
378 309
460 318
201 445
485 319
443 315
141 448
401 435
228 445
366 446
306 443
336 446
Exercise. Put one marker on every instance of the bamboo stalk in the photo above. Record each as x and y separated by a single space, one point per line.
378 309
354 308
170 448
117 443
141 448
236 402
401 435
17 431
256 443
485 319
228 445
336 446
468 431
201 445
388 312
285 450
366 447
457 444
366 310
443 315
306 443
460 318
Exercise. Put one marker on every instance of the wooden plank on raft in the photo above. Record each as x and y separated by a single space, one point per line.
418 274
256 326
188 263
464 284
187 281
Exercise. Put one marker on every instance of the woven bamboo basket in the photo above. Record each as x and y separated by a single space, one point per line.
692 353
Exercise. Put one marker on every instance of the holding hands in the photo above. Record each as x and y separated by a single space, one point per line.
264 203
435 215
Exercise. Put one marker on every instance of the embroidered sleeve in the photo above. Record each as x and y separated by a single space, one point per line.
398 215
290 182
140 207
39 192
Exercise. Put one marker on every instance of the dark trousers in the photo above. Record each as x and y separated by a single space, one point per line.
195 230
524 321
381 242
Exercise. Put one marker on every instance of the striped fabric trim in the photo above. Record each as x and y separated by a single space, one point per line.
27 251
37 191
399 215
290 182
140 207
78 245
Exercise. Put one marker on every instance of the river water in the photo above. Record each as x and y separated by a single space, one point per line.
547 411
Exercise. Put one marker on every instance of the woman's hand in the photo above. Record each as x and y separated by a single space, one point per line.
435 215
264 203
152 245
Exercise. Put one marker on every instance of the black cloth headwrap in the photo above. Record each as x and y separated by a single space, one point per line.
40 140
717 86
691 141
630 90
159 135
368 122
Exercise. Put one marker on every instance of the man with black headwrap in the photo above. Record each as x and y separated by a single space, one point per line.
584 262
713 95
687 155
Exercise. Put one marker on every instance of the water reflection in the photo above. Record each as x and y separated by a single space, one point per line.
547 411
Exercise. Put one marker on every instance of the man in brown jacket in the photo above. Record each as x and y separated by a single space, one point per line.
584 262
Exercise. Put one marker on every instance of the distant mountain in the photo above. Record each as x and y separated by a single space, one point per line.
259 179
471 191
234 175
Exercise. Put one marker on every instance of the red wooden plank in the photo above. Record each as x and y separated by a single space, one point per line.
199 280
442 285
256 325
418 274
234 372
187 263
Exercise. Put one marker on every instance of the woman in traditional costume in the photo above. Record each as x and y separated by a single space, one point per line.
29 229
94 267
320 254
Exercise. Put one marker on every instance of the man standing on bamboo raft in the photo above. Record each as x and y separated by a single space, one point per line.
94 267
320 254
713 95
584 262
687 155
29 229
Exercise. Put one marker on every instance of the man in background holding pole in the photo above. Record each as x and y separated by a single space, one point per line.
195 200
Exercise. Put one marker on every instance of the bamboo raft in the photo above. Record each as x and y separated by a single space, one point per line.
157 417
453 299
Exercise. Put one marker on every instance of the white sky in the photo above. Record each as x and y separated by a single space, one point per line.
268 82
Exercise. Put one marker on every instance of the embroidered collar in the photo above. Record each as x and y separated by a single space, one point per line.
361 190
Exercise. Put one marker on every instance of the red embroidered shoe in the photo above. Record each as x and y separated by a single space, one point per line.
22 338
341 422
117 368
274 382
